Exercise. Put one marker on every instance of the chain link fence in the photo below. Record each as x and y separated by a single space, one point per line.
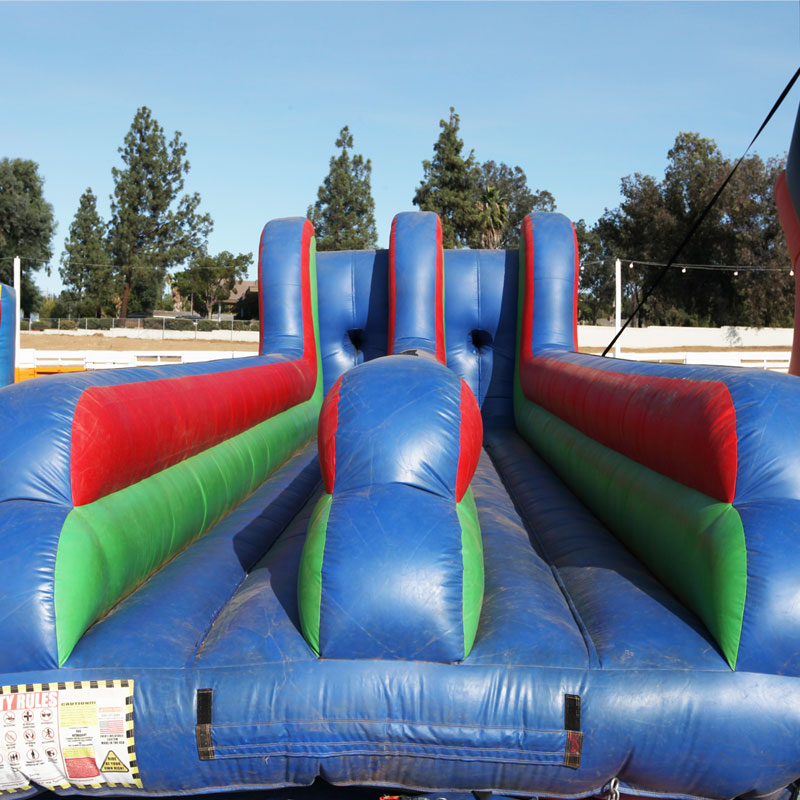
143 323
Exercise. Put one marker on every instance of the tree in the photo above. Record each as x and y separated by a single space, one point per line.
742 229
767 294
153 228
26 226
511 183
492 218
596 287
86 270
450 186
344 214
210 279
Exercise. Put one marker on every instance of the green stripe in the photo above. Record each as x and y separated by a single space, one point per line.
472 559
693 543
109 547
309 582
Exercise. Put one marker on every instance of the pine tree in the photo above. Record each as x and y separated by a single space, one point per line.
85 268
26 226
152 227
344 214
450 186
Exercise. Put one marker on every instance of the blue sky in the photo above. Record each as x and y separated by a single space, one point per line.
577 94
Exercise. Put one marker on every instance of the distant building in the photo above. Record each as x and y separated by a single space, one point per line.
243 300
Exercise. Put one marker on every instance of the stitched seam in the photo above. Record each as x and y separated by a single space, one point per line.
388 753
395 745
470 726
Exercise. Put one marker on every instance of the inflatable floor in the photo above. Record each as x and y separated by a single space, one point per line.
419 542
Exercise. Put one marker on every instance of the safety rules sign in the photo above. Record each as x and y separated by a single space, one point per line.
58 735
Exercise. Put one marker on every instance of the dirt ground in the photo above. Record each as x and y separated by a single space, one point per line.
47 341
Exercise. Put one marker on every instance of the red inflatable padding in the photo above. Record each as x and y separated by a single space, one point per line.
791 230
684 429
441 355
122 434
326 435
392 289
526 332
788 218
470 438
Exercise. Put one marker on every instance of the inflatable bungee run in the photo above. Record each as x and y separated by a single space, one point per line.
418 542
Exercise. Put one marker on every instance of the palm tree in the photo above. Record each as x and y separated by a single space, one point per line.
492 217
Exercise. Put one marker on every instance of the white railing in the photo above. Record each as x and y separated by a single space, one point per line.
116 359
775 360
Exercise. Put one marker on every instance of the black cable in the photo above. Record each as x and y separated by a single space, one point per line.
699 220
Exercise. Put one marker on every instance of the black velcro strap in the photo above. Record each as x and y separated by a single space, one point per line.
205 747
572 712
572 725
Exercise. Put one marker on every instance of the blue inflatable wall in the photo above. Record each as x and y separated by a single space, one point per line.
418 542
8 328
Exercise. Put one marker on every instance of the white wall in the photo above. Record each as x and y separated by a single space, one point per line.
661 337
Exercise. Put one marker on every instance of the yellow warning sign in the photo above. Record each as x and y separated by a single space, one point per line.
113 763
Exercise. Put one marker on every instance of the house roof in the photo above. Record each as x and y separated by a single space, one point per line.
240 289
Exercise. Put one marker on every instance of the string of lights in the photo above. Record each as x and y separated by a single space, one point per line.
734 268
631 262
84 263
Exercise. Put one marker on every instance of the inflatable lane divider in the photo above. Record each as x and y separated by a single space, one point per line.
416 285
392 565
131 467
684 465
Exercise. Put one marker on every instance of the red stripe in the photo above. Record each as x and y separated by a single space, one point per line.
392 288
122 434
788 218
326 436
575 292
525 350
309 341
470 439
791 230
441 356
260 296
682 428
